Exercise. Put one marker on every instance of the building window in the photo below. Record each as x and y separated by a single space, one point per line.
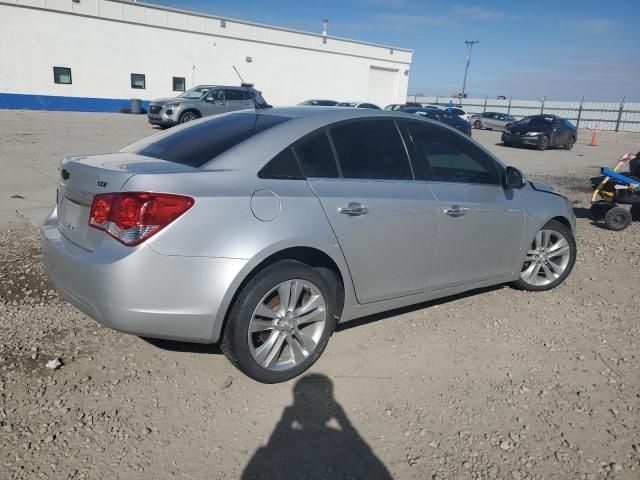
137 80
178 84
223 23
62 75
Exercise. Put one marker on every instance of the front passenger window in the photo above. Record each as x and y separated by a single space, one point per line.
451 157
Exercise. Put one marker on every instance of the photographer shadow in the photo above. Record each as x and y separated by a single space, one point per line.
315 439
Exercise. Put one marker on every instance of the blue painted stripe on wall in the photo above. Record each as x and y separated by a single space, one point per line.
73 104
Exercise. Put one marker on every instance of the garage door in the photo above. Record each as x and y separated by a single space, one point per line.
382 86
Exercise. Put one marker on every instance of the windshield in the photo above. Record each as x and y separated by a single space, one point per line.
195 92
197 143
536 121
346 104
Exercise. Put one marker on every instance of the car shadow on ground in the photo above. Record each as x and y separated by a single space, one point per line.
314 438
190 347
414 308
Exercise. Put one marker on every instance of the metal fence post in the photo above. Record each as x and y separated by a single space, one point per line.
579 113
485 104
509 107
620 113
542 107
437 98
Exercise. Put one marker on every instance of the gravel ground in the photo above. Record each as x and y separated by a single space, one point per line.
496 383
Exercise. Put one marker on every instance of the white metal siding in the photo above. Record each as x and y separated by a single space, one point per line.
382 85
104 41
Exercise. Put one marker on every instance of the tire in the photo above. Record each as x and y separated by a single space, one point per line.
477 124
617 219
548 267
571 141
599 209
188 116
543 143
268 354
635 212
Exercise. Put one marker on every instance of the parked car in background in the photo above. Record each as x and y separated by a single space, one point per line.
202 101
542 132
501 97
227 230
400 106
318 103
457 110
491 120
443 116
358 105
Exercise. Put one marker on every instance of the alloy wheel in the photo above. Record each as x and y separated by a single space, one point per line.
187 117
547 259
287 325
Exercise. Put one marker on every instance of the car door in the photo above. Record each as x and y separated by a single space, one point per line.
384 219
559 133
214 103
480 222
490 120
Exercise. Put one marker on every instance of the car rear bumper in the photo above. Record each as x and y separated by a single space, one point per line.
520 139
137 290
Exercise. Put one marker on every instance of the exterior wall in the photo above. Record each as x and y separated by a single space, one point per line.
104 41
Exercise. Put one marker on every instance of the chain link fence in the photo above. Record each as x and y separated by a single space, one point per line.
617 117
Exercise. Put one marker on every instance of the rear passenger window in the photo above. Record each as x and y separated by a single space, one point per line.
283 166
316 157
371 149
450 157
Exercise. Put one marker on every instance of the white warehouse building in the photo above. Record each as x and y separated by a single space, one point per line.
96 55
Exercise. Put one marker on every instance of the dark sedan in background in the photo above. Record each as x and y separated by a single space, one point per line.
542 132
442 116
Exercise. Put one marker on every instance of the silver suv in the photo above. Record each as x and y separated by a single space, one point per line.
202 101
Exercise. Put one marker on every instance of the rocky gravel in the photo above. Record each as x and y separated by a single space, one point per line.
494 384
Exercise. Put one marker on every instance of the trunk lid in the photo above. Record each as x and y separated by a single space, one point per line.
81 178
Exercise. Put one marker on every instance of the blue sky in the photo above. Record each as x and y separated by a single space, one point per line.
562 49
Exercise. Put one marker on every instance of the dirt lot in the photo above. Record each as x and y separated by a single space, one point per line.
493 384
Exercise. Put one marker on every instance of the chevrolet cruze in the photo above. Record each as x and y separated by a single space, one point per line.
261 230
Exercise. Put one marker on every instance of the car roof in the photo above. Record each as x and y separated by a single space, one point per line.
304 120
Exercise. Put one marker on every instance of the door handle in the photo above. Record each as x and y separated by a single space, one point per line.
353 210
455 211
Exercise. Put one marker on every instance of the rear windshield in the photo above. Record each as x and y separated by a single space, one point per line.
203 141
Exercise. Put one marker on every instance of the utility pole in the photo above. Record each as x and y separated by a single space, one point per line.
469 44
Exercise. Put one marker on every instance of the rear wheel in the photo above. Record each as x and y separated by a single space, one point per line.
188 116
571 141
280 322
549 260
617 219
635 212
477 124
543 143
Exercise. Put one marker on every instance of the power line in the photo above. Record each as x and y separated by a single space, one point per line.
469 44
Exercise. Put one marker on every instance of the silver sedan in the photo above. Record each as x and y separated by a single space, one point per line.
263 230
491 120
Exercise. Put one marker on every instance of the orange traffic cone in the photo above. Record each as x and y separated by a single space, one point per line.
594 138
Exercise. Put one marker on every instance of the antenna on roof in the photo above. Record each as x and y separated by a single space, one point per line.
247 87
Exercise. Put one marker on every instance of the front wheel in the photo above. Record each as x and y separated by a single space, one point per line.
543 143
188 116
549 260
280 322
617 219
477 124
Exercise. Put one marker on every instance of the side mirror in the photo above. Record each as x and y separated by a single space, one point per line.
514 178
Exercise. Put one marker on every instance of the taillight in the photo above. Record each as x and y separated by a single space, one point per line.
133 217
